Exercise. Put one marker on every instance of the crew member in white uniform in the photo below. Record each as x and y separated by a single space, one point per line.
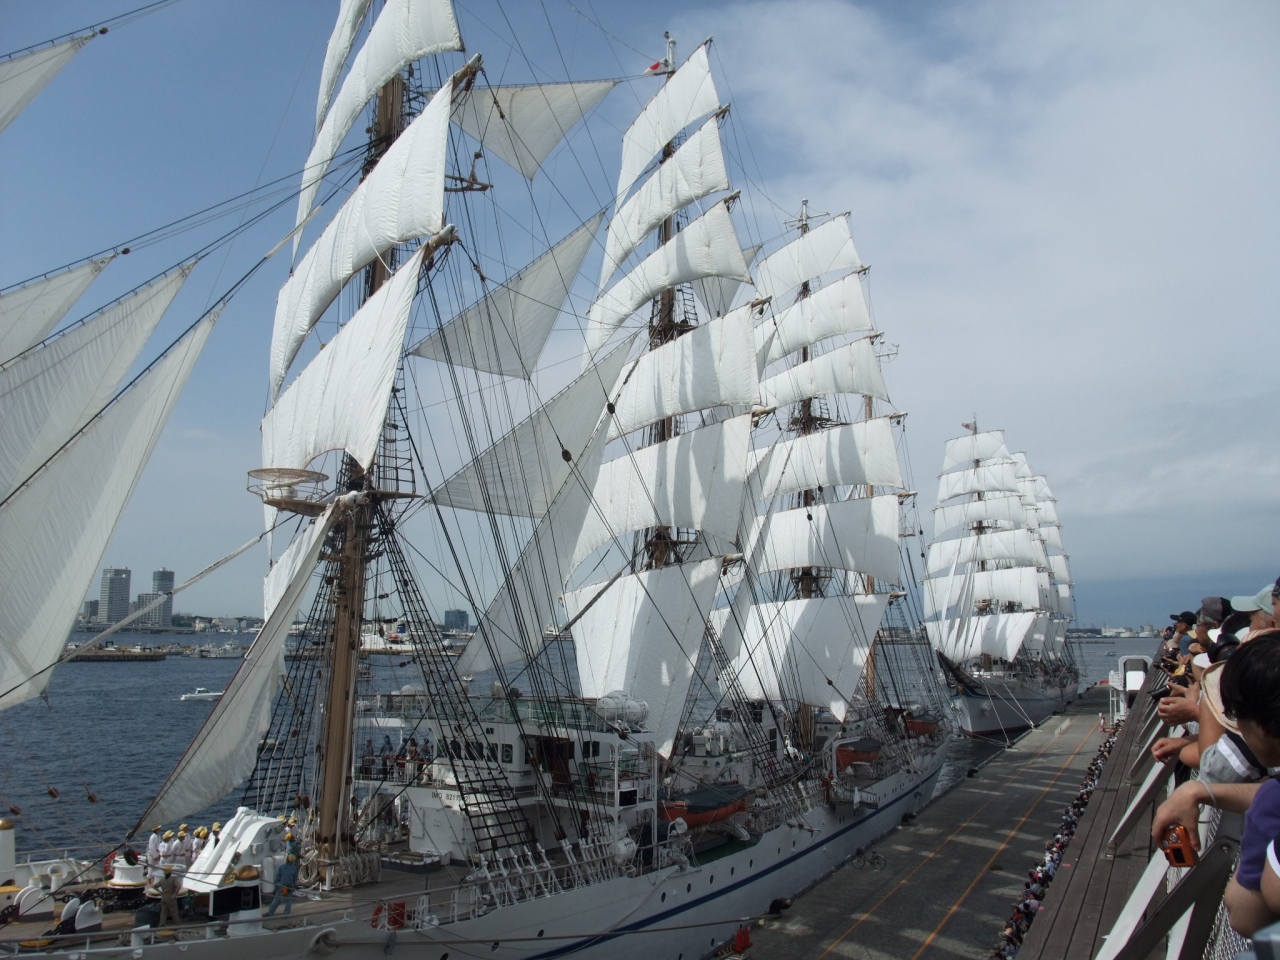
167 849
154 842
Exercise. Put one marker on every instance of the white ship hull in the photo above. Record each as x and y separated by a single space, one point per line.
676 912
998 707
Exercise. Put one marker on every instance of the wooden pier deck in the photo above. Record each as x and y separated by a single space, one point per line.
953 875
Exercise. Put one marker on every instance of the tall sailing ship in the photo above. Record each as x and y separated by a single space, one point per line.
696 685
997 589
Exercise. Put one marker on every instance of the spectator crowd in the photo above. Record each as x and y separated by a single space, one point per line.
1041 875
1222 705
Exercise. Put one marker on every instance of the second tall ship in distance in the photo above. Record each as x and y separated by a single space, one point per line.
997 592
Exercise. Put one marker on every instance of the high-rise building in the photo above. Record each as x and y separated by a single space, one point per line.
162 582
89 611
458 620
152 618
113 605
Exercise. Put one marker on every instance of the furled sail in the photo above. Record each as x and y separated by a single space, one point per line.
716 294
1022 585
688 95
339 402
22 77
401 199
55 528
851 368
523 471
225 749
350 15
511 628
50 393
814 648
859 535
29 313
822 250
836 309
523 124
852 453
994 476
1012 546
992 509
405 31
694 171
694 481
998 635
963 451
711 365
707 247
504 333
642 637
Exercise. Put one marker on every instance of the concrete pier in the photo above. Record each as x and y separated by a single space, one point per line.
953 875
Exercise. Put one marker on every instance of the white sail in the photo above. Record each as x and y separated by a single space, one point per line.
1055 637
1051 534
642 637
405 31
523 124
998 635
836 309
693 481
1021 467
694 171
963 451
50 393
1058 568
1061 594
851 368
814 648
350 15
1017 546
993 476
716 294
852 453
1034 641
688 95
511 628
55 528
859 535
22 77
822 250
1048 510
711 365
401 199
993 508
339 402
1022 585
707 247
225 750
29 313
504 333
522 472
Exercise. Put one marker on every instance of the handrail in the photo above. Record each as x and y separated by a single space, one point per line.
1146 795
1199 891
1145 755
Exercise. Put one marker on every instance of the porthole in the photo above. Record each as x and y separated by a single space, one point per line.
541 932
664 896
688 888
712 881
751 863
731 869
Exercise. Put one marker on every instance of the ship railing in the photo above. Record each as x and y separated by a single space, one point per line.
787 805
519 875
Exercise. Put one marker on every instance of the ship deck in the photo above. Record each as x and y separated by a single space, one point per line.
953 874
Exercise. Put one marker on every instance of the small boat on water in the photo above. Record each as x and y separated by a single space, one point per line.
202 693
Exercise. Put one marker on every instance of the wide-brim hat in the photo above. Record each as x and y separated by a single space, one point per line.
1211 695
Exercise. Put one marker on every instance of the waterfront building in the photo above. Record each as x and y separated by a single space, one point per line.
156 619
458 620
89 612
162 582
113 605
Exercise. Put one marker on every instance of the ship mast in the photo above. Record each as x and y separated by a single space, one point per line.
808 580
333 825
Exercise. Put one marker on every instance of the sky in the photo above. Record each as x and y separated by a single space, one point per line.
1070 212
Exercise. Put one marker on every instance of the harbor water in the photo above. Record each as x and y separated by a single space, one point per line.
79 766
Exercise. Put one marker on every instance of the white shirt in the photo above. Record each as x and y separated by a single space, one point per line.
153 847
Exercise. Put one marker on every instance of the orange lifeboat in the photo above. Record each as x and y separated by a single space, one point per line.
922 726
705 805
866 750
